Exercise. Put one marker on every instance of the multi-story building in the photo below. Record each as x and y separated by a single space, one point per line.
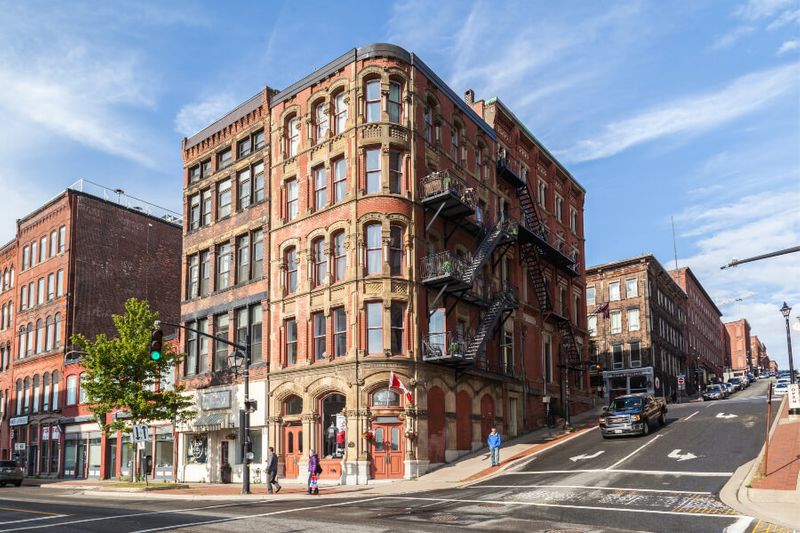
637 321
739 354
394 236
705 344
78 259
8 261
758 354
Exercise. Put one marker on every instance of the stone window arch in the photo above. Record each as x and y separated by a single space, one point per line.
293 405
385 398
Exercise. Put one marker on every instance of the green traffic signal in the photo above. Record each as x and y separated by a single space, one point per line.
155 344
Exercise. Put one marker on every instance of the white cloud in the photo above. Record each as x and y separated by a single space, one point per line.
788 46
195 116
689 115
760 9
732 37
787 17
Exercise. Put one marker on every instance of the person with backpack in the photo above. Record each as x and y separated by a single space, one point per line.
314 470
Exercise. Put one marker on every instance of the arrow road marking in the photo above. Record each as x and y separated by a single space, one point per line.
676 454
584 456
723 415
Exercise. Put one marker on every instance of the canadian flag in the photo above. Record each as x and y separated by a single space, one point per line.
395 383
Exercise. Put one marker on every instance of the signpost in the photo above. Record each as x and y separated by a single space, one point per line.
794 397
141 433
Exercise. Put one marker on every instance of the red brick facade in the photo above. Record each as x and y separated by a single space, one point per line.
739 356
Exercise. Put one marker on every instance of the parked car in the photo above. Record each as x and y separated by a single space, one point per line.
728 388
632 414
781 388
751 378
737 383
11 472
713 392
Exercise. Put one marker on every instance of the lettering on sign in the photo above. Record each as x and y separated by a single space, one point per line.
18 421
217 400
794 396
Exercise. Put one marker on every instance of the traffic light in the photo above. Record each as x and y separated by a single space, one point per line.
155 344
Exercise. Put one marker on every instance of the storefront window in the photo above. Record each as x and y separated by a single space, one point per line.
255 447
95 452
128 451
332 424
165 446
197 448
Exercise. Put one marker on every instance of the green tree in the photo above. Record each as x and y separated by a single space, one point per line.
120 376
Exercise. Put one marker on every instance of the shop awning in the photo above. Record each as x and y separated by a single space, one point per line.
209 421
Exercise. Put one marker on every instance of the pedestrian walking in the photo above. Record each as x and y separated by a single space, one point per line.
272 471
494 447
314 470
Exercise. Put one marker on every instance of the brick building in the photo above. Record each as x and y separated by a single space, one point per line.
637 322
395 228
705 343
739 354
77 259
758 353
8 261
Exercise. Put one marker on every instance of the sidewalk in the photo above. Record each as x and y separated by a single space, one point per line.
469 468
771 491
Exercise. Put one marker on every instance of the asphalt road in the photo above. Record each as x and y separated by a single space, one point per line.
668 481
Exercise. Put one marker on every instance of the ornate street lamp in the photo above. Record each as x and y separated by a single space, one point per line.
786 310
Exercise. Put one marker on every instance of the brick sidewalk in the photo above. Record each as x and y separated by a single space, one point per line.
784 455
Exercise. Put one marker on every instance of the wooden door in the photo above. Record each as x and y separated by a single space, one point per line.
436 425
387 451
292 450
487 417
463 421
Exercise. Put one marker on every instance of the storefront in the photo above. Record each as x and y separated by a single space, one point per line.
83 448
628 381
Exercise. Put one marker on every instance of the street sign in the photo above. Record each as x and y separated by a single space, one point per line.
141 433
794 396
19 446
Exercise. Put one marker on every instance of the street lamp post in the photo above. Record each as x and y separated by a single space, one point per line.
786 310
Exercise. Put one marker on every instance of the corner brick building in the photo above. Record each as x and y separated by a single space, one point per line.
367 220
759 357
73 264
739 354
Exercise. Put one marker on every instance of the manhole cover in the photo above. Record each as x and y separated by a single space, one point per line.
444 518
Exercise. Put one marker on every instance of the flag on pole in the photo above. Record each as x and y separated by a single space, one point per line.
395 383
602 309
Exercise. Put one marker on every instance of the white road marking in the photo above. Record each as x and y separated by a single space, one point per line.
260 515
556 505
33 519
690 416
676 454
740 526
667 491
634 452
723 415
622 471
148 513
585 456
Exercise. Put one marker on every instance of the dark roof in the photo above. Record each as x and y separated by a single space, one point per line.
229 118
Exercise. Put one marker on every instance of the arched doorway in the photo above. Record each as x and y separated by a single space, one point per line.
463 421
487 416
436 427
292 436
388 444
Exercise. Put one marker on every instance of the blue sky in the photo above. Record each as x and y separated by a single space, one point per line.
684 109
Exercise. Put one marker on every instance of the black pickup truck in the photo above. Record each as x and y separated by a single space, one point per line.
632 414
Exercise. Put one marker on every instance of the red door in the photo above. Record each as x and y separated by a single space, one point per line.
436 436
487 416
387 451
293 450
463 421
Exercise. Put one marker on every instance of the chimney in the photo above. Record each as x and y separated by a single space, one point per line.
469 96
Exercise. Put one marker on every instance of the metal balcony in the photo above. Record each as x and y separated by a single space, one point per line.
505 172
446 188
449 347
444 267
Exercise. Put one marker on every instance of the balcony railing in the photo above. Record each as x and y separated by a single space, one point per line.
442 266
450 346
444 181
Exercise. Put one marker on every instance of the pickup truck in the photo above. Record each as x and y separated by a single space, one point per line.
632 414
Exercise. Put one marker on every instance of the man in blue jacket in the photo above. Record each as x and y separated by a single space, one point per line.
494 447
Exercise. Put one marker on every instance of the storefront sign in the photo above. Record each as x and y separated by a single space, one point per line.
19 446
217 400
794 396
18 421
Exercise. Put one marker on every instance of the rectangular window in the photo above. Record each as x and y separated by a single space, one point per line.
557 208
244 186
454 143
194 212
590 296
616 322
205 168
205 273
202 352
224 158
396 250
341 113
23 297
339 332
292 209
374 251
258 254
220 348
53 243
320 187
320 262
243 259
592 325
291 341
255 334
373 103
427 118
258 140
242 317
636 355
395 172
206 207
51 286
543 194
397 312
633 319
318 323
223 267
548 359
244 148
293 136
223 199
613 291
373 181
258 183
618 358
72 390
194 174
375 327
395 104
321 122
42 249
631 288
193 276
62 238
339 257
41 291
339 180
291 270
573 220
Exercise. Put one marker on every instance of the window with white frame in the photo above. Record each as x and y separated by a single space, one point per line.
320 187
373 169
631 288
321 122
292 136
341 112
573 220
374 251
292 207
590 296
616 322
613 291
636 354
375 327
557 207
339 180
395 105
373 103
618 357
633 319
543 194
592 325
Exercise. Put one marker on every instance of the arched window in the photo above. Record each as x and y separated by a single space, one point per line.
339 256
293 405
46 395
56 397
292 136
26 396
29 345
290 259
23 297
341 112
374 252
427 118
320 122
82 390
11 278
21 349
373 102
396 250
332 443
41 292
455 135
395 105
72 389
53 243
385 398
57 327
49 334
5 279
39 336
320 262
36 393
3 318
19 397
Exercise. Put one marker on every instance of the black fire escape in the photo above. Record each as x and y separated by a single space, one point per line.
458 277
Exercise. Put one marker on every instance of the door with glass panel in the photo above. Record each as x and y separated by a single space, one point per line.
293 449
387 451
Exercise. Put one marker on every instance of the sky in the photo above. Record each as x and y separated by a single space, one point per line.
685 111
